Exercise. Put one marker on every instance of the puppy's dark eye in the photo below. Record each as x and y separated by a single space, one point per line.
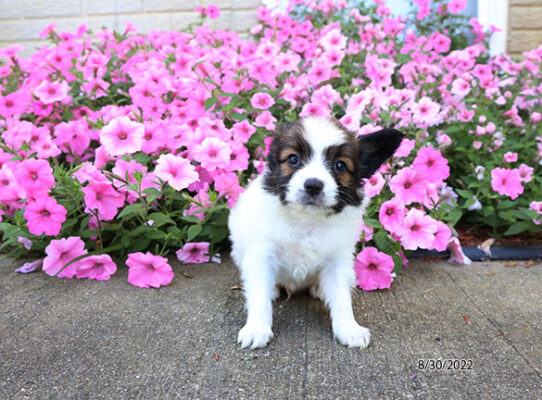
340 166
293 160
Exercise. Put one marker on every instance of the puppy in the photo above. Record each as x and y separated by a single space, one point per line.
297 224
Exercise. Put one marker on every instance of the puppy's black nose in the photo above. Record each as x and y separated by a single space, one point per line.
313 186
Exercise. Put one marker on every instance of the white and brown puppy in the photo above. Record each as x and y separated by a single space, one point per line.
297 225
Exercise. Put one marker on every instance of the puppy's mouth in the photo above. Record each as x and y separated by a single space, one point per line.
312 201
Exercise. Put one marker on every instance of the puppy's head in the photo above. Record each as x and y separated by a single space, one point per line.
317 164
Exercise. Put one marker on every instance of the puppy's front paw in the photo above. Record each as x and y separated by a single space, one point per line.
352 335
254 335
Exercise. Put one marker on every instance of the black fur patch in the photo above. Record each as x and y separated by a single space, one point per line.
377 147
289 135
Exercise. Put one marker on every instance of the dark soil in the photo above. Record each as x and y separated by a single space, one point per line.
474 237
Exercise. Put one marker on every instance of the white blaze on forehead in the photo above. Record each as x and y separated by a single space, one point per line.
322 133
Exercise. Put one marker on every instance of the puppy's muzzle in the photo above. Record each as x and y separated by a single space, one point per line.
313 187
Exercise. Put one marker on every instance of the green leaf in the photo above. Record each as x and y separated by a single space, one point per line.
160 219
67 114
518 227
193 231
156 234
136 208
467 194
371 222
506 204
152 191
455 216
238 116
211 101
381 240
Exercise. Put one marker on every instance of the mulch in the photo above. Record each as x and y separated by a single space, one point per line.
470 236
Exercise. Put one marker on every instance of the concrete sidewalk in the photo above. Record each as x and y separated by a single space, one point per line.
78 339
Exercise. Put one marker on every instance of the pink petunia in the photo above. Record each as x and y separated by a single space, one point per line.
195 253
176 171
212 153
391 214
373 269
44 215
99 267
59 253
525 173
373 185
430 163
442 236
261 101
417 231
510 157
456 252
456 6
49 92
212 11
147 270
409 186
506 182
104 198
122 136
36 176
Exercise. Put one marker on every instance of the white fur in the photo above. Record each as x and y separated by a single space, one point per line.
295 247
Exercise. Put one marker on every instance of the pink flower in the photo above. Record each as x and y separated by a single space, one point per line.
525 173
456 6
373 269
409 186
510 157
147 270
122 136
212 153
506 182
266 120
36 176
212 11
426 112
59 253
391 214
374 185
195 253
457 255
405 148
29 267
175 170
430 163
49 92
418 230
261 101
442 236
99 267
45 215
104 198
242 131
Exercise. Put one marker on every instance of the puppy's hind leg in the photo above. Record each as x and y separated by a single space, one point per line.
258 276
336 281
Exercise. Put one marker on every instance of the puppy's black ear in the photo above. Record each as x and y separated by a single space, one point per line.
375 148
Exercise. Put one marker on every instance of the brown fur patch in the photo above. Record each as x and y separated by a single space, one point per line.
283 158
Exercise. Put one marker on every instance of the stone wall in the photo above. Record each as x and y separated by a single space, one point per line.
22 20
524 25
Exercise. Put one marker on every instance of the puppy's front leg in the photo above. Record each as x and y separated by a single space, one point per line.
258 276
336 282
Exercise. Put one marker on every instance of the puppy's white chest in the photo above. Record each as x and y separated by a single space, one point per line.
300 256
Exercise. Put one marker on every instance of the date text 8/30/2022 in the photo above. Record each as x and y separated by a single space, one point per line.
445 364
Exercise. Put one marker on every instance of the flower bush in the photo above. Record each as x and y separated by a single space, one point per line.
124 148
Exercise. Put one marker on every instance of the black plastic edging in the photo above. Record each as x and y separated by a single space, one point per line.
498 253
